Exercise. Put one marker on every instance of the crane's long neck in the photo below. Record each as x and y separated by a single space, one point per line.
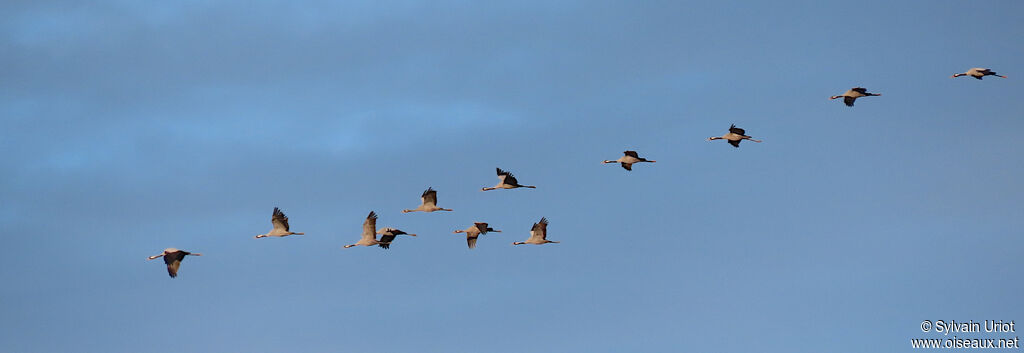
712 138
155 257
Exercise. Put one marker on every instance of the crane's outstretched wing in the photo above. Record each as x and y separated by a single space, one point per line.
279 220
370 226
540 229
736 130
429 197
507 177
173 261
385 241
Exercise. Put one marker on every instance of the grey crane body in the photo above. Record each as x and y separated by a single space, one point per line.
979 73
474 232
734 137
172 258
388 235
281 228
538 234
428 203
507 181
628 159
850 96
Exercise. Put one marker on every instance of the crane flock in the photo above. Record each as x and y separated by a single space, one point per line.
538 232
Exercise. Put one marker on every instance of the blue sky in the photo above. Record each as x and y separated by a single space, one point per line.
131 127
